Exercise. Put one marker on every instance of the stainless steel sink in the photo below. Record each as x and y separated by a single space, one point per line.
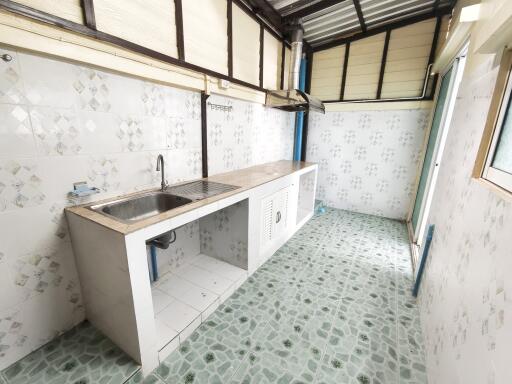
132 209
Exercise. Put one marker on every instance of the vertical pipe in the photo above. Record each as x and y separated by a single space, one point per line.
283 57
230 38
305 126
299 117
154 265
204 134
423 260
262 45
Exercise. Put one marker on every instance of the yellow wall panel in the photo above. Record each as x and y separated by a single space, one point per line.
246 47
407 60
67 9
363 68
327 72
205 27
147 23
271 55
406 64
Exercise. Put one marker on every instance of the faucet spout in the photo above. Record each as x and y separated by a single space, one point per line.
161 165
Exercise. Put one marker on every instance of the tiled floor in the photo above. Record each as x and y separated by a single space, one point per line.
81 356
331 306
185 297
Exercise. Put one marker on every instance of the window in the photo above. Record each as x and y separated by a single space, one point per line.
498 167
494 161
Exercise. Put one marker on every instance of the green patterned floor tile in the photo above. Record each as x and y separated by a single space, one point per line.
216 349
138 379
81 356
331 306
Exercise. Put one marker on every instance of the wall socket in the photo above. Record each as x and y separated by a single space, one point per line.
224 84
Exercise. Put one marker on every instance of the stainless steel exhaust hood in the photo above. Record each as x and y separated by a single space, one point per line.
293 99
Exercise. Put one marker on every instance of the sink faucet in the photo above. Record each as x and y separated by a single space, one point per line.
160 160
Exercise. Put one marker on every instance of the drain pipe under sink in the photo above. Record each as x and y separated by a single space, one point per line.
154 264
162 242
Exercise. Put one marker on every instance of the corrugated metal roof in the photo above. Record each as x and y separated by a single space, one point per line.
341 19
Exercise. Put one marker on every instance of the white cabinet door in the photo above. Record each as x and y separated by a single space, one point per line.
281 202
267 221
274 218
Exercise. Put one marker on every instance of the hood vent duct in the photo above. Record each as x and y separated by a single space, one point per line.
293 99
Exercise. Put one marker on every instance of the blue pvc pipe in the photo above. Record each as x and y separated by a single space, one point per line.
299 120
154 264
426 247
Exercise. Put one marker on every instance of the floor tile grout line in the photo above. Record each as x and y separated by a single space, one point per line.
396 322
267 323
338 307
132 375
353 259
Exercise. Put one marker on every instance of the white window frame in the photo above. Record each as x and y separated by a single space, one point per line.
496 176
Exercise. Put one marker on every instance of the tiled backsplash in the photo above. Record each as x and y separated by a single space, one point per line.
61 123
246 134
368 160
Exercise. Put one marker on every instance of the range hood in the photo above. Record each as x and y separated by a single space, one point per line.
293 99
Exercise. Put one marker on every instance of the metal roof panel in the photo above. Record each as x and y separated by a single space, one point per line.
333 21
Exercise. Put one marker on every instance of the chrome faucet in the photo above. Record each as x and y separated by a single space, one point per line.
160 160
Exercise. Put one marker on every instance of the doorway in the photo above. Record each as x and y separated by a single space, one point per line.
443 111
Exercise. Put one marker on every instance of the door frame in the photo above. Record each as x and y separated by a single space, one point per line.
416 235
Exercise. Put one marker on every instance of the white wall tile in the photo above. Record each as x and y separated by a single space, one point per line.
368 161
465 292
16 137
62 123
21 181
49 82
58 131
247 134
11 84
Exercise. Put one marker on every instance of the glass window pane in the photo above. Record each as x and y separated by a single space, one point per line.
503 155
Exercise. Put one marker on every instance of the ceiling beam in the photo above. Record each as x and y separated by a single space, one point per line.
343 39
279 34
309 10
360 16
263 9
293 6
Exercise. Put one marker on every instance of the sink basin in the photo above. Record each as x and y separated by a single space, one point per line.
132 209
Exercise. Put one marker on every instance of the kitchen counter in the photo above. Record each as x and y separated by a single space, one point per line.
235 233
245 179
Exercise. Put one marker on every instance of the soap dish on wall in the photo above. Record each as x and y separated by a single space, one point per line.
81 189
